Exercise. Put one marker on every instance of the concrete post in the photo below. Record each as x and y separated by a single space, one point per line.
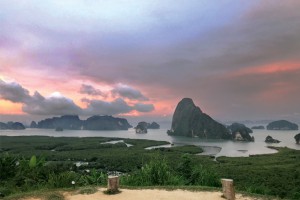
113 183
228 189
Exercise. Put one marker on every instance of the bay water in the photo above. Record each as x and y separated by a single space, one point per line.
211 147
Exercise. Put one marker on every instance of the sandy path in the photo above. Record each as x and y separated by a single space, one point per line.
148 194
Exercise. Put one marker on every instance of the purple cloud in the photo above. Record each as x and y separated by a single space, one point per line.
90 90
128 92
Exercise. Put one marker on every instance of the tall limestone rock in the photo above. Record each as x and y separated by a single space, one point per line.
189 120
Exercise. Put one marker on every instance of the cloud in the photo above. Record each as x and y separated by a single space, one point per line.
90 90
53 105
13 92
118 106
57 104
128 92
98 107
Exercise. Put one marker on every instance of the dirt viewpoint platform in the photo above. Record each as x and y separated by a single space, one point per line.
151 194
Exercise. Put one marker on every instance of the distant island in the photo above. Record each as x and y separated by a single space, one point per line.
143 127
72 122
11 126
282 125
270 139
258 127
240 132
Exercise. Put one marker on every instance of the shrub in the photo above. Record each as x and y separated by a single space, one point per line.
62 180
156 172
94 177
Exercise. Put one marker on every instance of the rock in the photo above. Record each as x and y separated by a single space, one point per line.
269 139
33 124
153 125
257 127
141 127
240 132
282 125
189 120
297 138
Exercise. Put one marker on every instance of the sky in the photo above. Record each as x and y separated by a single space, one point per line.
238 60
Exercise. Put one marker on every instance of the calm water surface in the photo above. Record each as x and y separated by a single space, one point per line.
228 148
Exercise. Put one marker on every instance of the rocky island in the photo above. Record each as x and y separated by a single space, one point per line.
297 138
72 122
240 132
11 126
189 120
141 127
257 127
269 139
153 125
282 125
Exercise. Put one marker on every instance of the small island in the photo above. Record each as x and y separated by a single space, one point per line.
297 138
258 127
282 125
240 132
269 139
59 129
141 127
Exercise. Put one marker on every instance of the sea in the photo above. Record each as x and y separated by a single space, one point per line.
211 147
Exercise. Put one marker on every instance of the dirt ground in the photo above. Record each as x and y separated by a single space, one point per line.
150 194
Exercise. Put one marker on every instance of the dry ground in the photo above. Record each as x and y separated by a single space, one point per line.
150 194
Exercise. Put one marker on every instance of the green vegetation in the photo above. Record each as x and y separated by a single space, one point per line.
45 163
88 190
277 174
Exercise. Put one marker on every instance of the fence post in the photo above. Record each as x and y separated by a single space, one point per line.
113 183
228 189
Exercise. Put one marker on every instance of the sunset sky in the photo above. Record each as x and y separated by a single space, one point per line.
238 60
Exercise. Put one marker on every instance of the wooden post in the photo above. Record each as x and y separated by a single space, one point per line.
228 189
113 183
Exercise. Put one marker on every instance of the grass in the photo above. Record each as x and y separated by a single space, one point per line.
44 194
87 190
